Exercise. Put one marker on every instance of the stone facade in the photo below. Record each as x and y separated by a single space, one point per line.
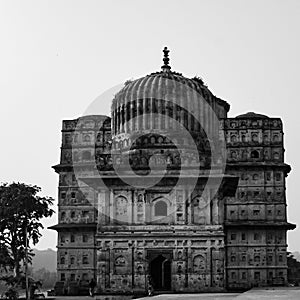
184 233
256 218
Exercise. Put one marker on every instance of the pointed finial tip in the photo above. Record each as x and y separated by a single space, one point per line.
166 60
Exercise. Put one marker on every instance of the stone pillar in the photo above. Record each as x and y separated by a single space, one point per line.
111 207
147 209
207 208
145 199
189 259
133 207
220 211
100 271
215 211
102 207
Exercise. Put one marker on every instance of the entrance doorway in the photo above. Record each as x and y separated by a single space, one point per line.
160 271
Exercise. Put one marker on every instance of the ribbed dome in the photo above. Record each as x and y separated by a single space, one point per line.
148 103
252 115
157 84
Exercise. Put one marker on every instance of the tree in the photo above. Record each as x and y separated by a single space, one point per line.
45 276
21 210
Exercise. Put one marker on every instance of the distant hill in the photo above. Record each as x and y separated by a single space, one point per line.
296 254
44 259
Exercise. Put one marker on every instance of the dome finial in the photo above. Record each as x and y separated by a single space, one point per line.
166 60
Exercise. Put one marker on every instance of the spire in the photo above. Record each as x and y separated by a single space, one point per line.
166 59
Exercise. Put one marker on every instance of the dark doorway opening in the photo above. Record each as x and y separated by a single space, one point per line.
160 271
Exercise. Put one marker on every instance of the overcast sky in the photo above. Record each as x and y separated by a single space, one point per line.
58 56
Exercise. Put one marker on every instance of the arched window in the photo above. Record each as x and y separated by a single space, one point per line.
254 137
233 154
276 155
85 238
199 264
63 216
161 209
121 208
68 139
85 260
62 260
254 154
72 260
72 238
86 155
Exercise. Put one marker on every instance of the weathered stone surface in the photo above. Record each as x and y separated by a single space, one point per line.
186 237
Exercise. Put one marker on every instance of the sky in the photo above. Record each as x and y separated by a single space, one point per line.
56 57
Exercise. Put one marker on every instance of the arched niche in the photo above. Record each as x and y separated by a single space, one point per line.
161 211
122 209
199 264
200 210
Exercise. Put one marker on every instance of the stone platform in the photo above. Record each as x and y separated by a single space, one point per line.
278 293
